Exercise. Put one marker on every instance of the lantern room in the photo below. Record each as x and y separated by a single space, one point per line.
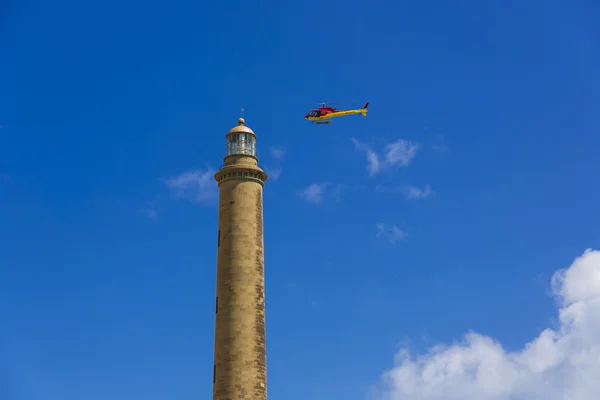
241 140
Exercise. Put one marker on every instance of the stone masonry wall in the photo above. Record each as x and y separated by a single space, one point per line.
240 355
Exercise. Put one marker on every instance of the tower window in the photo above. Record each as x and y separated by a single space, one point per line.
219 239
214 373
217 305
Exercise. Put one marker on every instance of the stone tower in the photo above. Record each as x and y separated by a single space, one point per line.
240 350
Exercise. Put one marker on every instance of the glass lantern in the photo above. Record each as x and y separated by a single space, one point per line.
241 144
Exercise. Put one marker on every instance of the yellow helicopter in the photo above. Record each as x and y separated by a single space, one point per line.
323 114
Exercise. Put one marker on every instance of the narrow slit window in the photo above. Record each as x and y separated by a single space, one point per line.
219 239
217 305
214 373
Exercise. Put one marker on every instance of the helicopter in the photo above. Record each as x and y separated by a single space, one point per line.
324 113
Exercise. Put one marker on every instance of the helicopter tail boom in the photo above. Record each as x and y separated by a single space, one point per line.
363 111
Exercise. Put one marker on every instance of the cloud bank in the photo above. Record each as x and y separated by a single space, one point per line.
559 364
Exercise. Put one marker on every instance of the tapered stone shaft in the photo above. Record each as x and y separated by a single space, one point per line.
240 343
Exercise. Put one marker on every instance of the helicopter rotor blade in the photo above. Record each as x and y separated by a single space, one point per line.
335 102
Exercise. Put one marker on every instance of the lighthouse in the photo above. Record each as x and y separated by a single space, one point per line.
239 371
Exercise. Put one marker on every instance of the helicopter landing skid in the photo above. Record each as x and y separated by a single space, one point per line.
325 122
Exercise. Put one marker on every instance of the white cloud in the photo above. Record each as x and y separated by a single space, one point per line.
560 364
415 193
277 152
397 154
373 162
400 153
274 173
197 186
314 192
411 192
389 232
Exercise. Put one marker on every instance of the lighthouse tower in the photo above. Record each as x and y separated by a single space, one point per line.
240 349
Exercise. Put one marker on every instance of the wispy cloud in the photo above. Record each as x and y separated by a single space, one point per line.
560 363
277 152
397 154
415 193
410 192
313 193
274 173
390 233
373 162
316 192
197 186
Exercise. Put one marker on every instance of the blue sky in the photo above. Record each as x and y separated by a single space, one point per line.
113 115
